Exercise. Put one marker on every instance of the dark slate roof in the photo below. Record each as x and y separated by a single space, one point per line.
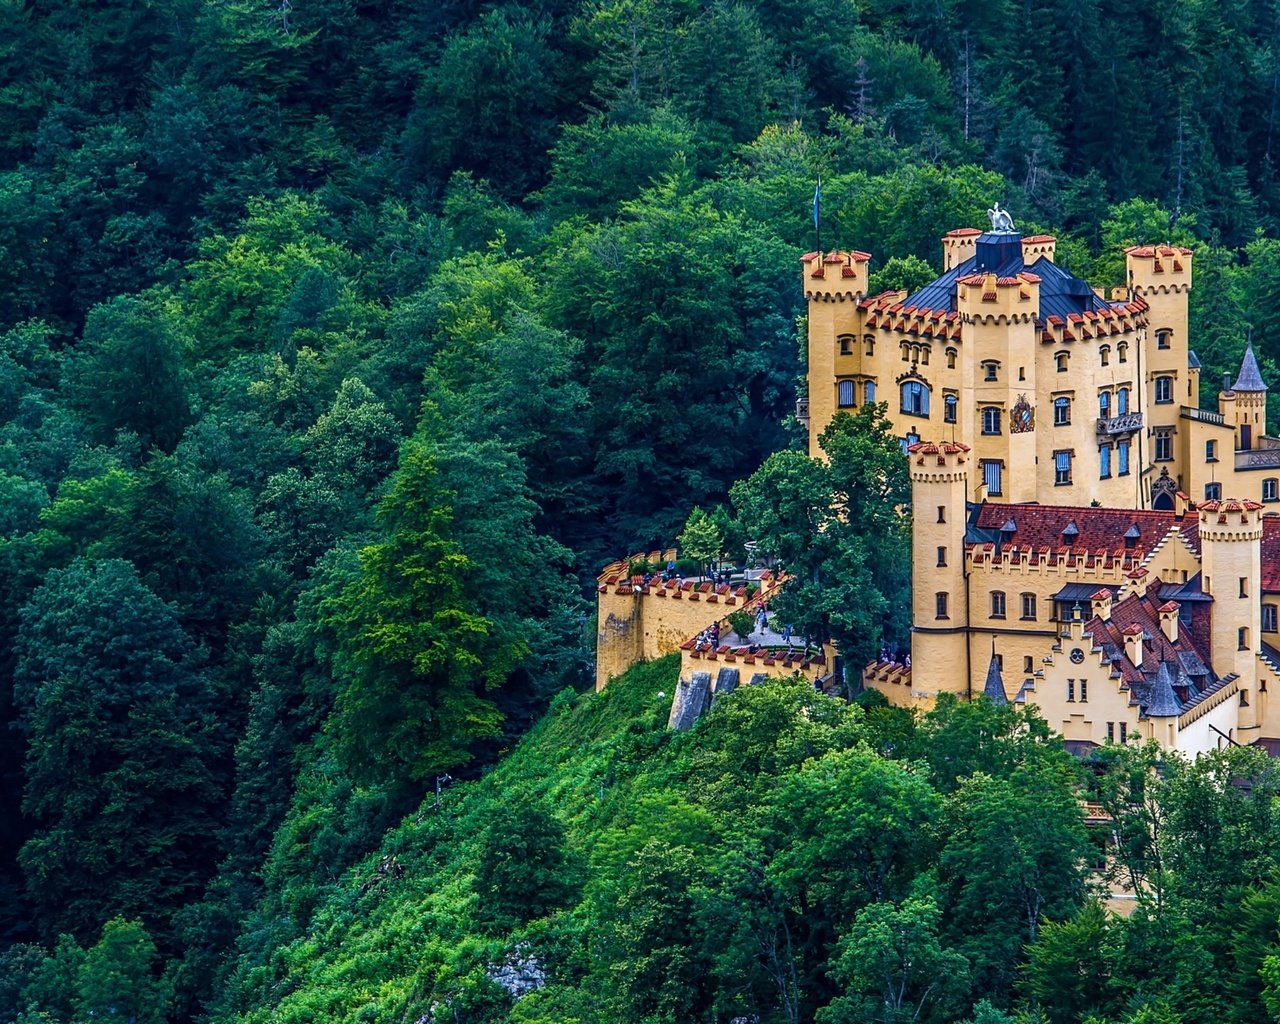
994 689
1163 703
1061 293
1193 360
1250 377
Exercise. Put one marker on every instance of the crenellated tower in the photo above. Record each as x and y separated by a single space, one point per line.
939 599
834 284
1231 562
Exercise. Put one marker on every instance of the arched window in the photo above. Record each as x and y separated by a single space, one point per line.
951 359
924 355
997 604
949 405
915 398
845 397
870 341
1104 355
1122 401
1062 411
1122 352
1061 359
1104 404
869 392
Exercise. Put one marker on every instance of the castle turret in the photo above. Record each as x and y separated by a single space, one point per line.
1244 403
940 599
958 246
1231 561
834 283
994 689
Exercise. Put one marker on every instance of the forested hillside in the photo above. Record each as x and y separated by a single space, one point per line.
341 342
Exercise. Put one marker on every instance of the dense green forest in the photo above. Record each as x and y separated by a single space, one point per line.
341 342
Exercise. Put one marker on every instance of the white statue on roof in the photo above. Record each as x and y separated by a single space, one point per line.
1000 219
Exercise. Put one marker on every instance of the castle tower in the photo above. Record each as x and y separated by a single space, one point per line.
939 599
834 283
1244 404
1231 561
1160 275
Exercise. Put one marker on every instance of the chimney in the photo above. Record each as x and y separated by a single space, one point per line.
1169 620
1101 602
1133 644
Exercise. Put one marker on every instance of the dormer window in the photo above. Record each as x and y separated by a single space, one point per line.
1131 536
1070 533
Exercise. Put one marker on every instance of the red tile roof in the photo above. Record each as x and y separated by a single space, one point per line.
1271 553
1100 529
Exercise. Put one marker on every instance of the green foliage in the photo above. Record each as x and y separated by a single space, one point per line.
701 539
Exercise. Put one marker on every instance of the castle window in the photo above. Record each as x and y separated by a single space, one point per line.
1163 337
924 354
1061 468
1061 412
942 557
1242 638
870 341
1164 446
1164 390
906 352
1084 691
997 604
1111 732
846 344
1122 458
942 513
992 370
1104 404
1122 352
1029 606
1124 732
992 477
949 406
1122 401
1028 664
1244 586
951 359
1268 618
1271 489
1211 451
1061 359
1104 462
1071 691
940 605
869 392
1104 355
915 398
1213 492
845 396
991 420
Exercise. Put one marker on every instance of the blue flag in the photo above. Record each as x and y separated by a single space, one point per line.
817 202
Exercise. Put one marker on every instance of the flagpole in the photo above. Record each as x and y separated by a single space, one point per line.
817 212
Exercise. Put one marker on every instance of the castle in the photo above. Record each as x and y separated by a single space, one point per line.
1086 538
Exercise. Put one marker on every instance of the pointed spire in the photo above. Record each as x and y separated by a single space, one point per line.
1250 377
1163 702
994 689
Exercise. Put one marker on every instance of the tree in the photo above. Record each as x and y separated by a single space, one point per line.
837 528
892 965
128 373
1067 972
118 976
114 709
523 869
416 657
701 539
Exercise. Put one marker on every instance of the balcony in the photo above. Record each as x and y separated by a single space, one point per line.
1202 415
802 410
1109 426
1259 458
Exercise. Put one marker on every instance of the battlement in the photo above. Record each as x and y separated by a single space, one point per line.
992 299
1159 268
1126 318
1035 247
958 246
887 312
835 276
1230 519
938 461
1065 562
